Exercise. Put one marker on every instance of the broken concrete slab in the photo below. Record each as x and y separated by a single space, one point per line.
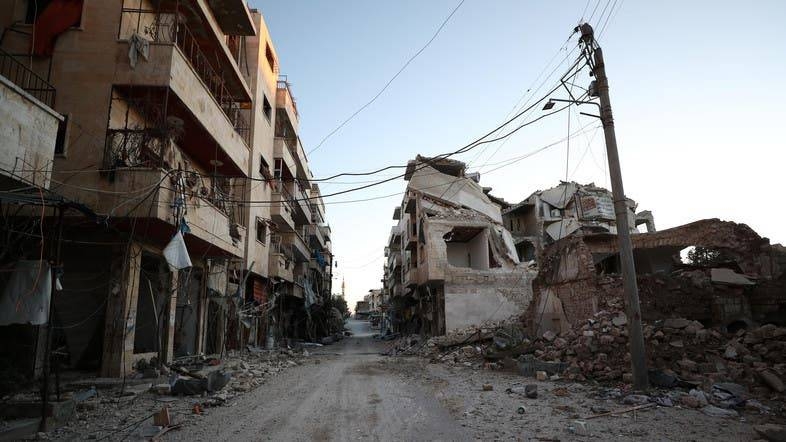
729 277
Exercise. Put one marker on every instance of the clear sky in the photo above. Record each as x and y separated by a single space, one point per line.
694 87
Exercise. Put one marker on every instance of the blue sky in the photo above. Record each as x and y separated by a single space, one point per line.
693 86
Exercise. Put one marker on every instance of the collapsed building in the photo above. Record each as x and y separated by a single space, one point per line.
451 262
738 278
552 214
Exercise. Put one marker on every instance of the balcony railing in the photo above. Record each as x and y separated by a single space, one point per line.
276 246
147 148
283 84
160 27
29 81
287 200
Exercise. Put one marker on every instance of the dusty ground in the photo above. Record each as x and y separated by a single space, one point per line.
348 391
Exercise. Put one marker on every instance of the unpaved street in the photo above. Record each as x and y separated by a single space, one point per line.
347 391
348 395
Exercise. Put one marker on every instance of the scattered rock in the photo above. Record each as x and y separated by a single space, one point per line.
700 397
531 391
677 323
549 335
541 375
579 428
711 410
636 399
488 387
619 320
771 432
689 401
772 380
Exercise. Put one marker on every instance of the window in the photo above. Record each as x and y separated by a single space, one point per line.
266 108
261 231
264 168
271 59
62 136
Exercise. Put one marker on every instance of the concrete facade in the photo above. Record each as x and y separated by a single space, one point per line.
174 111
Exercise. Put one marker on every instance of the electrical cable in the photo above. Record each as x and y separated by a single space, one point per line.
412 58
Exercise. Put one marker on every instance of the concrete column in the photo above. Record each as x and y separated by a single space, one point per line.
120 321
170 312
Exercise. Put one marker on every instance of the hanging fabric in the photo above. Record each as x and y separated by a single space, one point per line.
26 297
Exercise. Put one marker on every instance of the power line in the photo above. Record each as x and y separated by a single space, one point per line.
412 58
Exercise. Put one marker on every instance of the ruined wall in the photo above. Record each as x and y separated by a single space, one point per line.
475 297
570 289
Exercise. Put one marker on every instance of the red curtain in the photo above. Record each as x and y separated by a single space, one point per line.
56 18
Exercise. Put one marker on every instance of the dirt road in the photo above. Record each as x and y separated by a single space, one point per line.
346 396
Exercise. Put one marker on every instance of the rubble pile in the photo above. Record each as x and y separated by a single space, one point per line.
110 407
682 350
468 346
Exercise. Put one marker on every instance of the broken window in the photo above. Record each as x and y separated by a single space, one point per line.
468 247
264 168
267 108
271 59
261 230
606 264
526 251
62 132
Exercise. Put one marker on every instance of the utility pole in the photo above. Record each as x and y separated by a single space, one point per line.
630 286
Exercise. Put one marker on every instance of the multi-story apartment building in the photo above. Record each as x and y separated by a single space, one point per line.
451 263
176 123
28 138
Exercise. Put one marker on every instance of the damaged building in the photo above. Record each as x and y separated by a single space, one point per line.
172 123
737 279
451 262
549 215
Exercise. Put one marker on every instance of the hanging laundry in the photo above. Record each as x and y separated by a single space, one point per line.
176 253
56 18
138 45
26 297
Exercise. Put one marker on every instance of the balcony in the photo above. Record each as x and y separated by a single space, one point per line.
410 276
18 74
212 231
282 210
302 252
316 237
286 101
294 150
282 151
302 207
233 17
411 238
394 241
176 61
282 262
28 127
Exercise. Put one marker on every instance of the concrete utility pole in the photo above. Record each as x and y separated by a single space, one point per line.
630 286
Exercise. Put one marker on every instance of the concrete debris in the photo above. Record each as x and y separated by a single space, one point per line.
771 432
711 410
